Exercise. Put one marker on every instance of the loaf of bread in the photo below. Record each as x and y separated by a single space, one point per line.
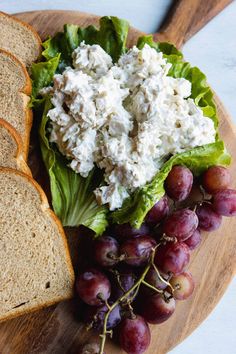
15 88
36 268
11 148
19 38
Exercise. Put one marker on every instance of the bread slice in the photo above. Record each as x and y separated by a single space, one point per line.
15 86
36 269
11 148
19 38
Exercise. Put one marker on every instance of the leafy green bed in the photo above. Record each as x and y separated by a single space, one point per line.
72 197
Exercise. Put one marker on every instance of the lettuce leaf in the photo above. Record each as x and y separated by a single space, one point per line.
197 160
72 195
63 42
165 47
42 74
111 36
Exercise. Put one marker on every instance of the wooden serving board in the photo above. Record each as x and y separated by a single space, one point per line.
56 329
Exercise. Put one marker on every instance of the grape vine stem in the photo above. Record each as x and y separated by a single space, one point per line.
121 299
152 287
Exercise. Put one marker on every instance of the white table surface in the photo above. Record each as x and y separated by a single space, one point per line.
213 49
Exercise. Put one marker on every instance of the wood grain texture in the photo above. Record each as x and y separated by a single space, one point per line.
56 330
187 17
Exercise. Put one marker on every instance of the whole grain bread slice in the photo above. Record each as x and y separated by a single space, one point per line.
19 38
36 269
15 86
11 148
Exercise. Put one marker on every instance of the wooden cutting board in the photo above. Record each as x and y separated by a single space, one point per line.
55 329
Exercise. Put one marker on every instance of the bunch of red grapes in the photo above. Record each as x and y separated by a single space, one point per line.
139 274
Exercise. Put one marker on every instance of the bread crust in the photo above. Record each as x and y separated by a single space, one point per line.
46 209
19 156
26 90
29 27
19 312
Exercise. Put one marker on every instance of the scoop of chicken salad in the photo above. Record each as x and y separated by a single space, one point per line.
129 113
126 118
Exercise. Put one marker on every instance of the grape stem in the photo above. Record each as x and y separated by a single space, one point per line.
152 287
120 258
166 238
162 279
135 288
203 193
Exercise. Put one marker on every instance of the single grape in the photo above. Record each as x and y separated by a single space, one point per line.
181 224
160 253
153 279
178 183
134 335
224 202
216 178
137 250
183 285
174 259
106 251
125 231
194 240
93 287
94 316
156 309
209 220
158 212
121 283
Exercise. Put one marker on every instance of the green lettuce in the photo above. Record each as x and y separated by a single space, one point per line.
42 74
197 160
72 195
111 36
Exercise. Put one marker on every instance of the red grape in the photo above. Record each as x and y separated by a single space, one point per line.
174 259
215 178
156 309
178 183
122 283
134 335
209 220
125 231
160 253
181 224
93 287
224 202
158 212
137 250
183 285
95 316
153 279
106 251
194 240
